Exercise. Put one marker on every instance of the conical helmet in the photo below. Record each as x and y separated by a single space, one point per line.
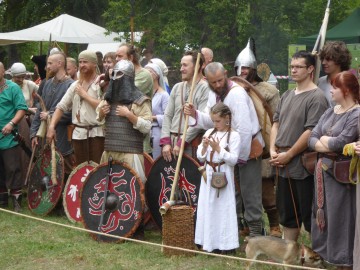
246 58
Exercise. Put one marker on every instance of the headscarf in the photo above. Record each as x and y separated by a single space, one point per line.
163 68
91 57
157 70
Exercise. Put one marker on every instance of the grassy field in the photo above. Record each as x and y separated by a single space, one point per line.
32 244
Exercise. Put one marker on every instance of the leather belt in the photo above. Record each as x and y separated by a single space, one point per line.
214 165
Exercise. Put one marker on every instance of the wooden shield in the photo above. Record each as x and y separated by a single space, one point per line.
125 196
43 193
148 162
159 183
71 195
263 111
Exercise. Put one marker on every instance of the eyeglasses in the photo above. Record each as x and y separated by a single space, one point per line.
297 67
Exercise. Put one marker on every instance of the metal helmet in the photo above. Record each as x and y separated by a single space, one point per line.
246 58
123 67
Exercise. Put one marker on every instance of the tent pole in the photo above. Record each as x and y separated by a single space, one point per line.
132 15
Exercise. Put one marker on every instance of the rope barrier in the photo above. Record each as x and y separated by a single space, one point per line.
157 245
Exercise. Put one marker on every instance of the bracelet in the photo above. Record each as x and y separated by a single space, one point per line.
12 123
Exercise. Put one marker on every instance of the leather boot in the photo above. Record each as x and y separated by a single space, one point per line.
291 233
16 201
256 228
4 199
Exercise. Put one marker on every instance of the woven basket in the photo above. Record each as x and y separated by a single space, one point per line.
178 230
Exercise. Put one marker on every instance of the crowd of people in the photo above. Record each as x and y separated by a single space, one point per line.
126 100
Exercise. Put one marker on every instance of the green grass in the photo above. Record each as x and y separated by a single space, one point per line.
31 244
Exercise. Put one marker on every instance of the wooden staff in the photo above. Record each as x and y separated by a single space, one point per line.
320 41
53 163
177 171
43 125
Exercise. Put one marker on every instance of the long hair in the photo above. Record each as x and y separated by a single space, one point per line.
222 110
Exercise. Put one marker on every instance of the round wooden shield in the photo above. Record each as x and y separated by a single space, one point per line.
43 193
124 202
148 162
263 71
71 195
159 183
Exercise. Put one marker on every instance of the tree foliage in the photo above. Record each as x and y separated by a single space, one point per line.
171 26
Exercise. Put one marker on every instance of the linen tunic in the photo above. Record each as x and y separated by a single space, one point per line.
216 223
158 103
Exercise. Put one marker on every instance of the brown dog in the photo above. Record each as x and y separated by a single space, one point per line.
283 251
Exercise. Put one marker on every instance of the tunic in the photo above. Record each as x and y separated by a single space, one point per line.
216 223
144 81
52 93
136 161
28 88
86 113
174 111
158 103
11 101
356 265
335 244
326 86
297 113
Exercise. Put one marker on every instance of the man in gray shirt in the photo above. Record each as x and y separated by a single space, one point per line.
297 114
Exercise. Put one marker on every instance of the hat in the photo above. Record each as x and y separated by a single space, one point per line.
18 69
40 61
89 56
126 67
246 58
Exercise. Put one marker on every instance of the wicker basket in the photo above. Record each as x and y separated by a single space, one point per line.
178 230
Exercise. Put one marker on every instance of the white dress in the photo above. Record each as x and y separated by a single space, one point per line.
216 223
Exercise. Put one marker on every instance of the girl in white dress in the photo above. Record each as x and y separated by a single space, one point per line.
216 223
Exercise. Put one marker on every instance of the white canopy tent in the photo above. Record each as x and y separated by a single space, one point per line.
64 28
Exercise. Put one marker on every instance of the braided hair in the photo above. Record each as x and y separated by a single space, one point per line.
222 110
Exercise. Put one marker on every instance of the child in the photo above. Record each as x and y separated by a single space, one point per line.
216 224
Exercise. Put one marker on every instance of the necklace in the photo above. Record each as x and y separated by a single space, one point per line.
215 135
348 109
155 92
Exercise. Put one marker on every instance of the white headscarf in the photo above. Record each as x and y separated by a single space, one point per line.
163 68
157 70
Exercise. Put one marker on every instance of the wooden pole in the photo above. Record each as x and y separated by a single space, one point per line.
176 177
320 41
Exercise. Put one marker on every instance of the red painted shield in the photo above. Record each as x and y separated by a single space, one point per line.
43 194
126 192
159 183
71 195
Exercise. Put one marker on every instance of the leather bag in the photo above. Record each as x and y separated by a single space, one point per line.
256 149
218 180
309 160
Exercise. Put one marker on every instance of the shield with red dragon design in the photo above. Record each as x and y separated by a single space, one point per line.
159 183
124 201
43 192
71 195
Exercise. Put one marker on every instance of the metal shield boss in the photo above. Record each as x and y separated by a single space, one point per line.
124 201
43 192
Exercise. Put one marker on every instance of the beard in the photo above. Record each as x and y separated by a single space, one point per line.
221 91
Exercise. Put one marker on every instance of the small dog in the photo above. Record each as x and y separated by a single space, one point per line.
283 251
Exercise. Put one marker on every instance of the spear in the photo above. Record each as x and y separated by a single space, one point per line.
319 44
